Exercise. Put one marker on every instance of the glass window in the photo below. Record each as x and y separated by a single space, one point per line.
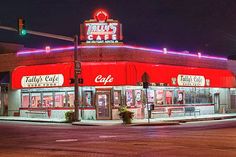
138 98
88 98
197 95
25 100
169 97
47 100
60 99
35 100
203 95
159 97
117 98
180 97
150 95
71 99
129 97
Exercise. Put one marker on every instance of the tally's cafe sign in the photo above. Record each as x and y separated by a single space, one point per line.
191 80
42 81
101 29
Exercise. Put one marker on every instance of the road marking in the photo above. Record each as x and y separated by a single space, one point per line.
67 140
104 136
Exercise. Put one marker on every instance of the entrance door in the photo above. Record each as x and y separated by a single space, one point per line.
103 105
233 102
4 100
217 102
1 104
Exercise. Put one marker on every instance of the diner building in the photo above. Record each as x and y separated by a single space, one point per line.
39 83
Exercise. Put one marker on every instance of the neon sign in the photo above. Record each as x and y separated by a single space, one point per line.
101 16
101 29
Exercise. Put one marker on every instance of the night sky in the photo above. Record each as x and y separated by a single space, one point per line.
208 26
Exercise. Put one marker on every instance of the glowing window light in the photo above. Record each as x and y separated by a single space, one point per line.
120 46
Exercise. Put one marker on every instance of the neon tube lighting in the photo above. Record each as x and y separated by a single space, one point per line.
119 46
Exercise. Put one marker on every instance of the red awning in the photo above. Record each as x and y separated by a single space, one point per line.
169 75
56 75
120 73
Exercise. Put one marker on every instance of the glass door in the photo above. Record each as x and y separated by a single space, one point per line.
4 100
1 104
103 105
217 102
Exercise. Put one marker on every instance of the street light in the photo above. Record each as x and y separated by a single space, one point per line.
77 65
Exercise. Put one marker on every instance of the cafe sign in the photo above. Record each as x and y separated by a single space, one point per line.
191 80
53 80
101 29
104 79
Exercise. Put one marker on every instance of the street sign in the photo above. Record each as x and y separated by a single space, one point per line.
145 77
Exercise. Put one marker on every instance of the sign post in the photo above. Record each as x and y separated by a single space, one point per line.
145 80
77 70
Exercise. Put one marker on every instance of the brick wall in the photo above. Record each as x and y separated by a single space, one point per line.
10 60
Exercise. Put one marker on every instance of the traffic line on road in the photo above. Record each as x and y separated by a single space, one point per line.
67 140
104 136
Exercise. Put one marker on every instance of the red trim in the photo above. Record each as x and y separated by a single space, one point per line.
87 108
185 105
55 108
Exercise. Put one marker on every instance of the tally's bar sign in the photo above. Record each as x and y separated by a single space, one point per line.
101 29
191 80
42 81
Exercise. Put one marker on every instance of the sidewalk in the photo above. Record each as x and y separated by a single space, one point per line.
136 122
157 121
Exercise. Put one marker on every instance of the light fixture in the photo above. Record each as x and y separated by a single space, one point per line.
47 49
165 50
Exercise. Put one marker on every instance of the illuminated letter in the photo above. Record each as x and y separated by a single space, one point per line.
106 37
114 37
90 37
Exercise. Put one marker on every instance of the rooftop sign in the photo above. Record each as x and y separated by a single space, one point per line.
101 29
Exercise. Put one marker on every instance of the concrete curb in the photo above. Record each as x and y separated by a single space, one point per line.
202 119
39 121
155 124
129 125
161 123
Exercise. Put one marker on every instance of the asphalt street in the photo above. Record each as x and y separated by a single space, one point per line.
207 139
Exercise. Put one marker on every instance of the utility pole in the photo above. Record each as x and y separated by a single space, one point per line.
77 64
145 80
77 70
